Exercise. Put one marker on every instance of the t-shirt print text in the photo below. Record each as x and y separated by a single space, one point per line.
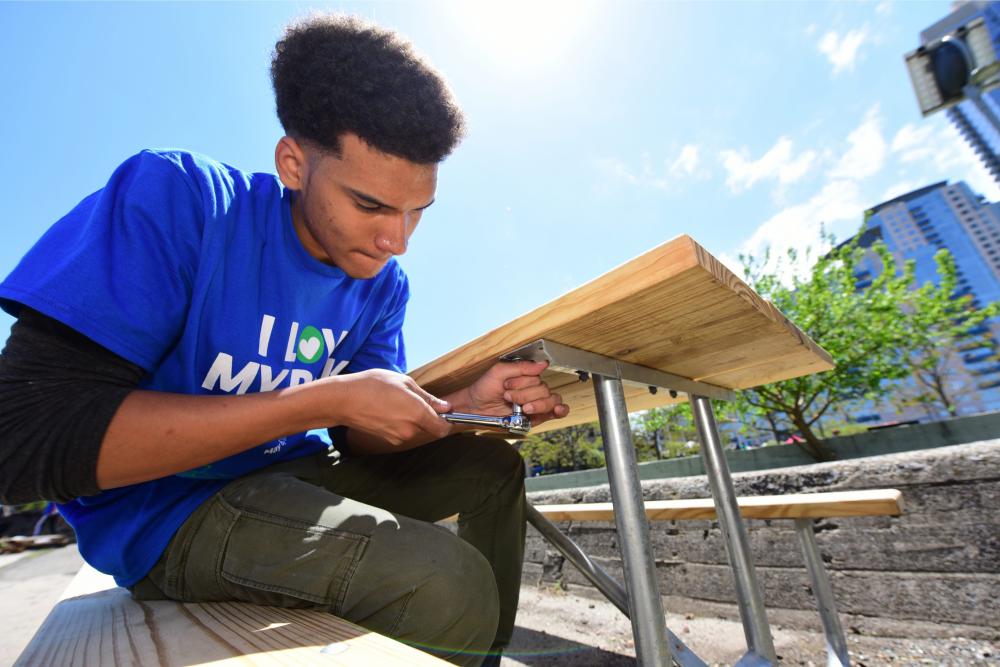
304 344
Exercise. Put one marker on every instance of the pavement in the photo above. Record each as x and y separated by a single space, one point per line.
31 582
555 627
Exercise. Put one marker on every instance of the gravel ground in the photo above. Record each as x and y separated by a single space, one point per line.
554 627
580 628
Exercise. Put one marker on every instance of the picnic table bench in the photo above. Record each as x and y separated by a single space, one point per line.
672 321
97 624
802 508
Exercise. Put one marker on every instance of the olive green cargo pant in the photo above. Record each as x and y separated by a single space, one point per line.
355 539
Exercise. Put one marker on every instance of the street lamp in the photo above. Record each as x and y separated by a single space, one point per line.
961 65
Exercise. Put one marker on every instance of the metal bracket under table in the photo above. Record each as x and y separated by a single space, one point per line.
654 645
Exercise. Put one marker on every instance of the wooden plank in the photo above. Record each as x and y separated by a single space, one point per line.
876 502
88 580
675 308
109 628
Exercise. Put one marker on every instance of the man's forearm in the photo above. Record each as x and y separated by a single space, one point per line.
362 443
74 422
155 434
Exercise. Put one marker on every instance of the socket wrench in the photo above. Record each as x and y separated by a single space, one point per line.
517 423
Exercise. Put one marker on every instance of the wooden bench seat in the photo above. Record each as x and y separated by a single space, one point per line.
800 508
875 502
99 624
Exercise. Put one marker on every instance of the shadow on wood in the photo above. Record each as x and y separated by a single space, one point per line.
110 628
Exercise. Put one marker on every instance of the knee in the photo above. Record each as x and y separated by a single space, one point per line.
501 463
507 472
509 460
459 604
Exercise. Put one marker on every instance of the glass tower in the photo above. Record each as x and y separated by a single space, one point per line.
914 227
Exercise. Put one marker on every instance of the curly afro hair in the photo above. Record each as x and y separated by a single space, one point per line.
334 74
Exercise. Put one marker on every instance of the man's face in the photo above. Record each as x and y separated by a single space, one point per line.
358 210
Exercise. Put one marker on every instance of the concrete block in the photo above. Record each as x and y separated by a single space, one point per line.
938 563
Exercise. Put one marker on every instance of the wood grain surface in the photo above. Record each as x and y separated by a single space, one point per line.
675 308
110 629
874 502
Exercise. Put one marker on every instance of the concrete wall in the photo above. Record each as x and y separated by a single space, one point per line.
936 568
873 443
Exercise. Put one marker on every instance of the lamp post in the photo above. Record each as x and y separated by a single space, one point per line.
958 66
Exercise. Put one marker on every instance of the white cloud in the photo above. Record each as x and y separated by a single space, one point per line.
686 162
867 152
811 29
798 226
667 177
838 205
843 51
914 142
936 151
884 8
957 156
778 163
797 168
900 188
615 169
918 155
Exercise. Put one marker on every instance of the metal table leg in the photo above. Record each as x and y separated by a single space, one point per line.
603 581
751 603
836 643
645 606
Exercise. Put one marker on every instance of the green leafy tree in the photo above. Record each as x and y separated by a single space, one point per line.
674 427
674 421
679 434
942 324
571 448
863 330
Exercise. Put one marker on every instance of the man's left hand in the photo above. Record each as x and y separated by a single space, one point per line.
515 382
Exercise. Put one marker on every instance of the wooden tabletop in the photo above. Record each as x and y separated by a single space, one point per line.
675 309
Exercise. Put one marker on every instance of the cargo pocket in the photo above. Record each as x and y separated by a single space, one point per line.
272 557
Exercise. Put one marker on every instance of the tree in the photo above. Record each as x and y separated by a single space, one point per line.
863 329
676 425
572 448
943 323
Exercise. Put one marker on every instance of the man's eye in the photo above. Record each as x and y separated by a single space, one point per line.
371 208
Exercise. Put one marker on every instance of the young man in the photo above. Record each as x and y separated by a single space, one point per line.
182 328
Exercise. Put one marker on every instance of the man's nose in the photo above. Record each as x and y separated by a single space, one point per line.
395 235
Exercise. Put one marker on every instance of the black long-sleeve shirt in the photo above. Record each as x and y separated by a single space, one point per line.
58 393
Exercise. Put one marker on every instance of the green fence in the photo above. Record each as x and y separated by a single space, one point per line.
873 443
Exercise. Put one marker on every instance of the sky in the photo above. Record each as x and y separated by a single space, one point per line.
597 131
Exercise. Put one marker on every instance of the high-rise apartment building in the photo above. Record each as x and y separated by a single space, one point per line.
914 227
976 128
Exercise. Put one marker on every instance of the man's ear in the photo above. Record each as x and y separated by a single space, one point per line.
291 162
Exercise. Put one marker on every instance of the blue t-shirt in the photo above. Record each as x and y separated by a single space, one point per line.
192 270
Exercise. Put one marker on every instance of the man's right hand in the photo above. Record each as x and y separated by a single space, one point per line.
389 406
154 434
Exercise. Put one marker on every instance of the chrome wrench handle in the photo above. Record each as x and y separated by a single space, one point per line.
517 423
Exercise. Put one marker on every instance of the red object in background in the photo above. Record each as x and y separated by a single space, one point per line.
794 440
